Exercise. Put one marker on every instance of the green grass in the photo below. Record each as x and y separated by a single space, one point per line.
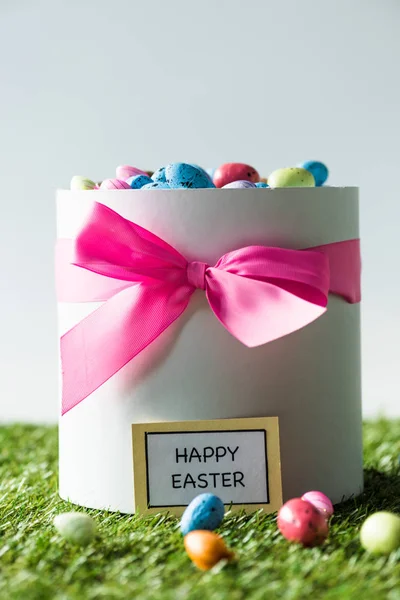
136 557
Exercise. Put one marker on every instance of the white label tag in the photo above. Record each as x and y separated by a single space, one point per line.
230 464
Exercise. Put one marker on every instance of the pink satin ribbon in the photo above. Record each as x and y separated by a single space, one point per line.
258 293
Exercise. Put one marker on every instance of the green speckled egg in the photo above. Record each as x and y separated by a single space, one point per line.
380 533
291 177
75 527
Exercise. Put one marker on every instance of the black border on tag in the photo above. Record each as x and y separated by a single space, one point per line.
147 433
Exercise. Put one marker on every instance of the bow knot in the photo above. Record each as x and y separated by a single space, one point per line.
196 274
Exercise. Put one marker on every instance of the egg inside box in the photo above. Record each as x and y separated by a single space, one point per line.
196 370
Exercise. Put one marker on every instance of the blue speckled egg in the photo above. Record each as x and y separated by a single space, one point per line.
183 175
159 175
262 184
318 169
138 181
205 512
203 170
239 184
157 185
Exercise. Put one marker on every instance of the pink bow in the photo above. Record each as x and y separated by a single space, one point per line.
258 293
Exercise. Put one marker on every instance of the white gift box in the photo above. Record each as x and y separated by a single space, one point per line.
196 370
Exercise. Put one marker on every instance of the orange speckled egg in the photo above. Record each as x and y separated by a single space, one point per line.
206 549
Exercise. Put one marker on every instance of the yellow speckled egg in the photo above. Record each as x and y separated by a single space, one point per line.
82 183
291 177
206 549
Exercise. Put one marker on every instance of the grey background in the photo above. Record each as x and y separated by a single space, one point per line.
87 85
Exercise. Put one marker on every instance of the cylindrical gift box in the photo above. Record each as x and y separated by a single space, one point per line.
196 370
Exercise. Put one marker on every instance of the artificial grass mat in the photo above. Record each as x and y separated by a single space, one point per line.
136 557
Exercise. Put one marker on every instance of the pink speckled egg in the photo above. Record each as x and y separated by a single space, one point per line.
321 502
299 521
229 172
114 184
125 171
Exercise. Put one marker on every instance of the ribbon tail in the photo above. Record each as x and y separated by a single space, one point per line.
257 312
345 268
115 333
